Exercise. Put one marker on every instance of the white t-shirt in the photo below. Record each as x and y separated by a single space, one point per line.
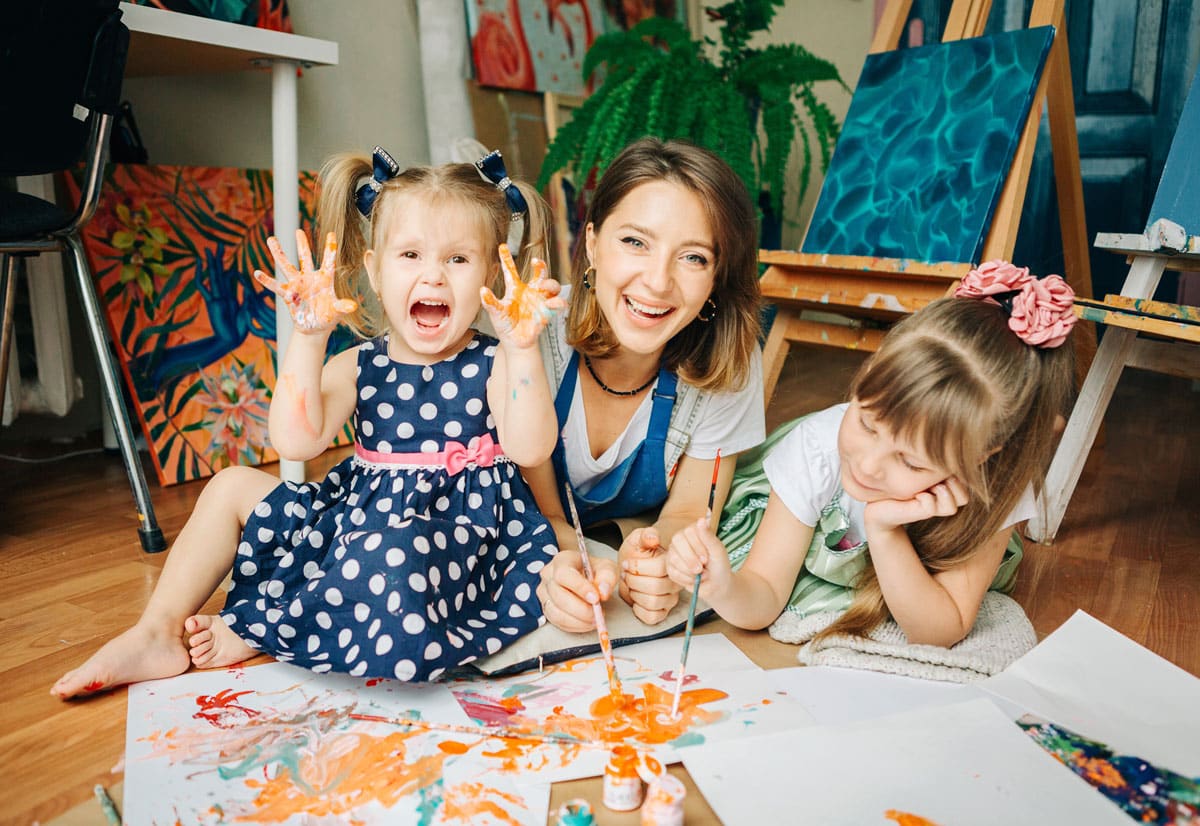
729 422
805 472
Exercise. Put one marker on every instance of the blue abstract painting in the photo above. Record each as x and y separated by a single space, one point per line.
926 147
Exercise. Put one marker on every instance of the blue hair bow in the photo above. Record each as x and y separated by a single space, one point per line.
491 166
384 169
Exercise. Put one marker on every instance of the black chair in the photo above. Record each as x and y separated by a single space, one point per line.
61 65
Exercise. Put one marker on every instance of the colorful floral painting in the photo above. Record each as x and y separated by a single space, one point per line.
172 249
538 45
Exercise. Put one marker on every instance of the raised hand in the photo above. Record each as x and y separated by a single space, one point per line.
526 308
942 500
308 292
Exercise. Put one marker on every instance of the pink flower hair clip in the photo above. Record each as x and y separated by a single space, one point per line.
1040 310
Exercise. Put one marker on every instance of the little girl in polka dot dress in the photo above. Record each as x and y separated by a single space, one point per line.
421 552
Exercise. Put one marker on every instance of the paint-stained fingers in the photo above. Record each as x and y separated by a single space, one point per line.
494 306
329 259
271 284
304 253
511 276
281 259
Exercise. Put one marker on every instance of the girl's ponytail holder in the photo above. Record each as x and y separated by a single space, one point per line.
1040 310
384 168
491 168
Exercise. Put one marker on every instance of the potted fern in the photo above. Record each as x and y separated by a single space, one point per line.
750 105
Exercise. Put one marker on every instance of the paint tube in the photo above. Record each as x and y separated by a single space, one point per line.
664 802
622 784
577 812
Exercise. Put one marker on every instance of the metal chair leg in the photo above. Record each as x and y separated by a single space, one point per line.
8 268
149 533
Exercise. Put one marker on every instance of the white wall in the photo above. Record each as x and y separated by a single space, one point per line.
373 96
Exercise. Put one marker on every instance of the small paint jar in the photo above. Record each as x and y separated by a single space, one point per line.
577 812
622 784
664 802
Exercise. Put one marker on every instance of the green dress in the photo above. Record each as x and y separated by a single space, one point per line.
831 565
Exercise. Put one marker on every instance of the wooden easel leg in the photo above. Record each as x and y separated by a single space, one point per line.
1089 410
775 351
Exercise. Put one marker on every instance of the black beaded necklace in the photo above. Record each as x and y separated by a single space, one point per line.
588 363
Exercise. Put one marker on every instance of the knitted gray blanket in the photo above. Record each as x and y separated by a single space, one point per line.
1002 633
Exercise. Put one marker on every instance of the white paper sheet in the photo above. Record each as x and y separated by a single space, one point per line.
1100 684
275 743
954 764
846 695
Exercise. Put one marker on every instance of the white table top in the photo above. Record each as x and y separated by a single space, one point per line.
175 43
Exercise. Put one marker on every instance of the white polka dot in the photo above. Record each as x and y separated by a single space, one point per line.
420 544
373 541
453 640
474 406
275 588
385 410
433 651
405 391
265 534
493 645
435 578
321 668
472 591
373 628
522 592
314 642
359 669
443 609
257 629
453 429
286 631
428 411
316 539
427 373
502 553
414 623
384 505
310 569
368 390
461 535
366 427
474 501
516 611
380 360
514 528
384 447
405 430
376 584
439 539
431 446
344 637
358 517
441 504
262 509
394 557
489 615
405 670
470 370
361 611
248 568
383 645
296 608
323 620
454 570
352 654
393 602
535 566
274 615
287 560
333 596
417 582
458 601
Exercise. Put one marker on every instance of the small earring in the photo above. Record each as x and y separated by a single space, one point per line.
587 285
712 313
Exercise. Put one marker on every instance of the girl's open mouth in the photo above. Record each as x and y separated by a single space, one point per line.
429 315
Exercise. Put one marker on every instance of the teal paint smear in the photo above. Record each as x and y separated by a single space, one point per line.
691 738
431 801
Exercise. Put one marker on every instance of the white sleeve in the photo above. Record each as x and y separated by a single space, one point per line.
803 468
732 422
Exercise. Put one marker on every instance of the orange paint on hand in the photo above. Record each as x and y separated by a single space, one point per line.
308 291
526 307
906 819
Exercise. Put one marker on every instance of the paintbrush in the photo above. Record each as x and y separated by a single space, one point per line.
614 682
482 731
691 618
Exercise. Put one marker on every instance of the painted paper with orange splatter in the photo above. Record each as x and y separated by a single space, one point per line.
276 744
729 698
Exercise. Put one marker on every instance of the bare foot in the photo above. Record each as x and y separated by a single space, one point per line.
144 652
212 644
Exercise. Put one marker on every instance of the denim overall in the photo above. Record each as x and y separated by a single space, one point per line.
638 483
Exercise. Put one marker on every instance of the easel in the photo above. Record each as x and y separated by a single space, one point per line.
885 289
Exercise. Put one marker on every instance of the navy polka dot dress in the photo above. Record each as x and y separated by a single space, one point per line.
398 565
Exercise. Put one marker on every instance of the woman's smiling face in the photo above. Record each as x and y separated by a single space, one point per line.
655 262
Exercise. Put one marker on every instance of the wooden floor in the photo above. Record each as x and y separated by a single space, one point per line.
72 574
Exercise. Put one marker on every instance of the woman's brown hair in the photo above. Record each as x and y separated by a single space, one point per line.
711 355
337 212
984 404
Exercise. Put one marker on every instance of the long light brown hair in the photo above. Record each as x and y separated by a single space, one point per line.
711 355
339 180
983 404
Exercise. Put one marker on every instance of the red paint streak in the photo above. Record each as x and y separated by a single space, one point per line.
374 681
94 685
669 676
220 709
489 710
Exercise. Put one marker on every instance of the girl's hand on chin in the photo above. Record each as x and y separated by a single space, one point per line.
526 309
942 500
308 292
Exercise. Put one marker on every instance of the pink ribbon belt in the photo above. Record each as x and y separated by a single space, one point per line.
481 451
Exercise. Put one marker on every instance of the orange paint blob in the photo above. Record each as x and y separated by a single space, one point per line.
906 819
